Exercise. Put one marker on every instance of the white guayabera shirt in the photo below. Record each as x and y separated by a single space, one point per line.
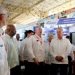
60 48
4 70
36 48
12 51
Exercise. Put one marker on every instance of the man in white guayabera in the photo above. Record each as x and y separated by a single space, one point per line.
59 49
4 70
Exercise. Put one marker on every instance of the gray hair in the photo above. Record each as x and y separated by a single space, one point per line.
36 27
60 28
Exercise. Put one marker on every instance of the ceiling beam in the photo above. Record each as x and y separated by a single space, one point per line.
40 1
43 14
67 1
16 16
13 8
1 2
18 9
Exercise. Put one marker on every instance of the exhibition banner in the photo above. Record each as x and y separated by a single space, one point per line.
66 21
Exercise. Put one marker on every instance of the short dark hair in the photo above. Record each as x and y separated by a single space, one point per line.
27 32
68 37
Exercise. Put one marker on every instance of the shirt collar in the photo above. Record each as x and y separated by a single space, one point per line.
61 39
8 36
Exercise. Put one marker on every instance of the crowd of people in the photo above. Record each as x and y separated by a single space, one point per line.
36 55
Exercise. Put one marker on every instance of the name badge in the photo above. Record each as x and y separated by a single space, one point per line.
1 45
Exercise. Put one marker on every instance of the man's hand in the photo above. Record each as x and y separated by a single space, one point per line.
36 61
73 62
59 58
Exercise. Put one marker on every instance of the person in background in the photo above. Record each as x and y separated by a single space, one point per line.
24 50
12 49
4 69
73 60
36 52
27 33
17 41
60 48
69 60
48 56
18 37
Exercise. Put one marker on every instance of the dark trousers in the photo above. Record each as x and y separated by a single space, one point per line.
30 68
73 66
22 69
60 69
15 71
70 65
41 69
33 69
48 69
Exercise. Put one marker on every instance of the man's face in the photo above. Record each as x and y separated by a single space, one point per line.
38 31
59 33
2 16
17 36
3 19
50 38
30 34
12 31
